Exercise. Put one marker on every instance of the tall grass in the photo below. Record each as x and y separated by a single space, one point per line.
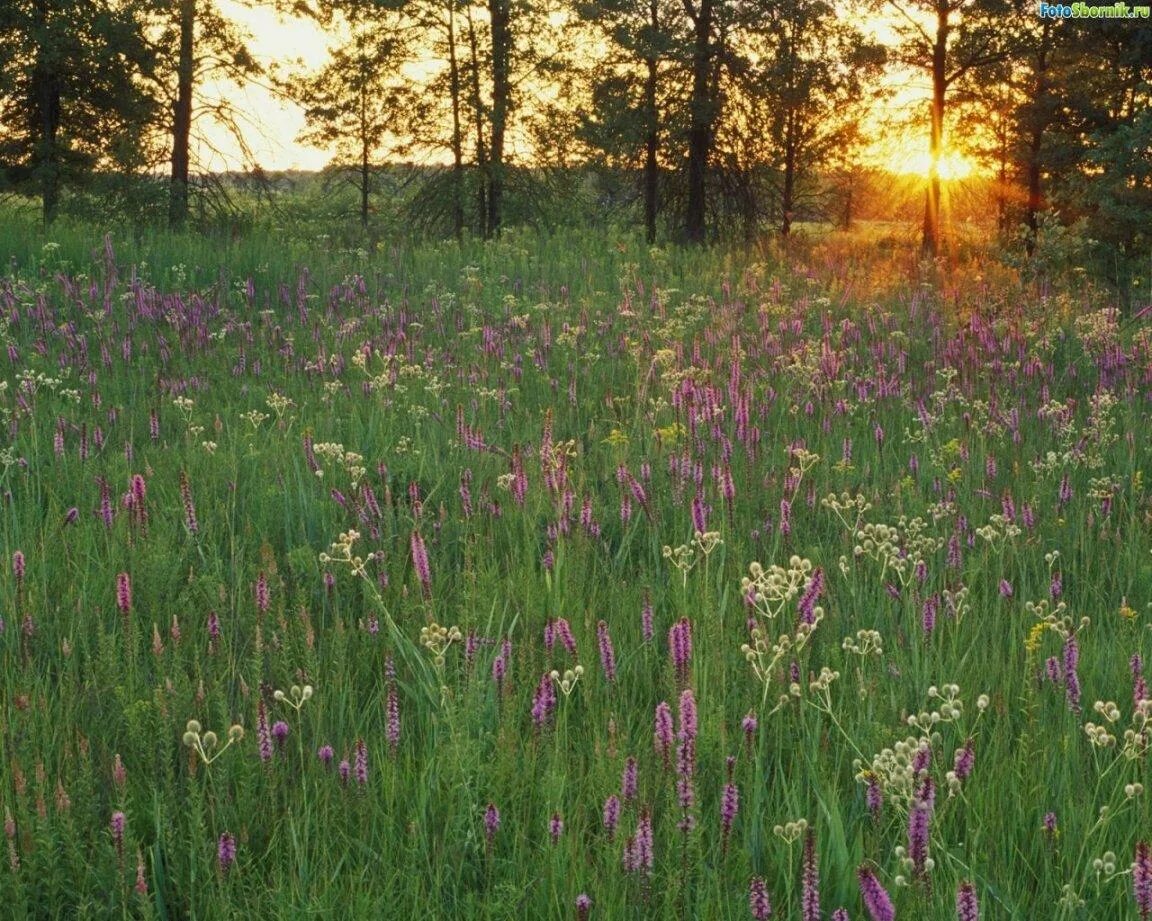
197 427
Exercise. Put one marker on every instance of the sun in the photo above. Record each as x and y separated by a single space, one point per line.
952 165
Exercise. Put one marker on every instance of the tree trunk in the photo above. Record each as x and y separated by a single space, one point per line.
701 117
1036 130
481 146
500 12
457 129
651 149
46 92
182 118
788 190
931 242
365 180
652 137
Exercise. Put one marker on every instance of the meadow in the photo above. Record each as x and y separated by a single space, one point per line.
565 577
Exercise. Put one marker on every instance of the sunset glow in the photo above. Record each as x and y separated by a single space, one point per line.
952 165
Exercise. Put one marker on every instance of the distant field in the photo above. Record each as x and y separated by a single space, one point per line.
563 577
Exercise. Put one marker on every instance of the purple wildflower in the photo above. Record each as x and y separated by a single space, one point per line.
190 521
729 807
226 852
1142 880
749 724
116 826
812 592
280 732
1071 676
643 842
1139 685
1005 588
810 881
345 771
922 760
491 823
628 780
964 760
392 729
611 815
361 762
500 664
18 567
876 899
583 906
564 635
967 908
688 719
758 902
699 514
607 653
325 753
555 827
124 593
263 734
680 647
543 701
663 730
918 822
647 630
420 563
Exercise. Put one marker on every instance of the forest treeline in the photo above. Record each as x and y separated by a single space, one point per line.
697 115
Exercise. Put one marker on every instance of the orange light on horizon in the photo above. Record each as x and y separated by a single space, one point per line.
953 165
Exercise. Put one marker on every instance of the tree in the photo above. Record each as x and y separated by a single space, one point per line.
354 103
949 40
627 120
703 110
809 71
70 89
193 40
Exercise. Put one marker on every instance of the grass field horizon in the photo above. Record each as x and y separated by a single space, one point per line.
567 577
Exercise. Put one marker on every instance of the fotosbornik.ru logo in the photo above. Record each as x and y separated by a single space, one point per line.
1086 11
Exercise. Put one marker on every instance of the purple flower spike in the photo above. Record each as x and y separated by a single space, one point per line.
583 906
226 852
662 734
876 900
729 806
1142 880
280 732
611 815
491 823
628 781
967 908
840 914
116 825
607 653
758 902
361 762
263 734
810 881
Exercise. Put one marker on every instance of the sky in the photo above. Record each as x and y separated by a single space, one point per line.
272 124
